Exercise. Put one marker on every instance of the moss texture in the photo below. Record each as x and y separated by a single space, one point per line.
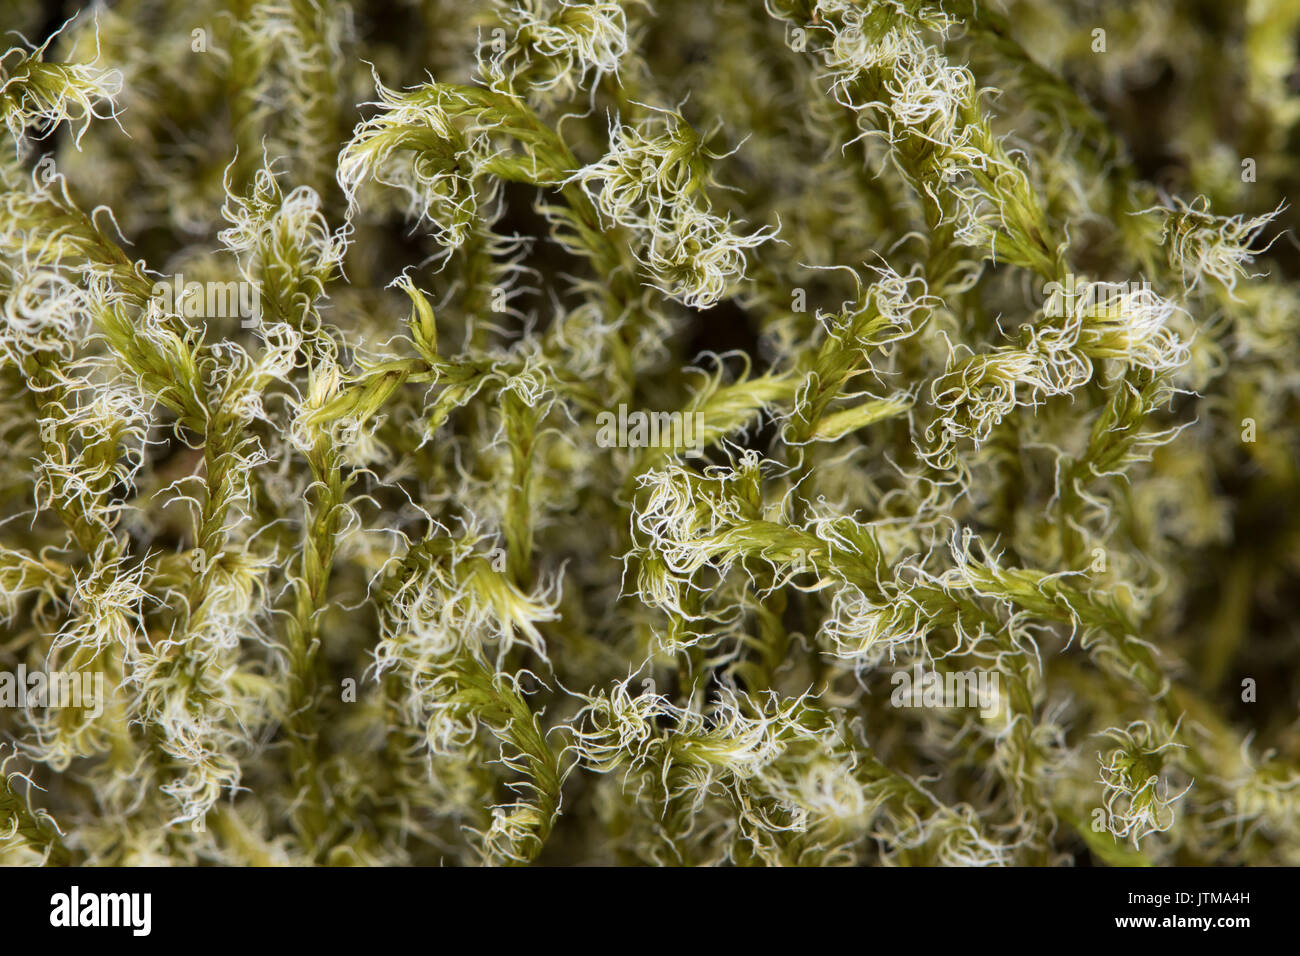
671 432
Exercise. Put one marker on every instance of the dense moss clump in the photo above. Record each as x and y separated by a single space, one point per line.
851 431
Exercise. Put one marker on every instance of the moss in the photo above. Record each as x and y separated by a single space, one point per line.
980 546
